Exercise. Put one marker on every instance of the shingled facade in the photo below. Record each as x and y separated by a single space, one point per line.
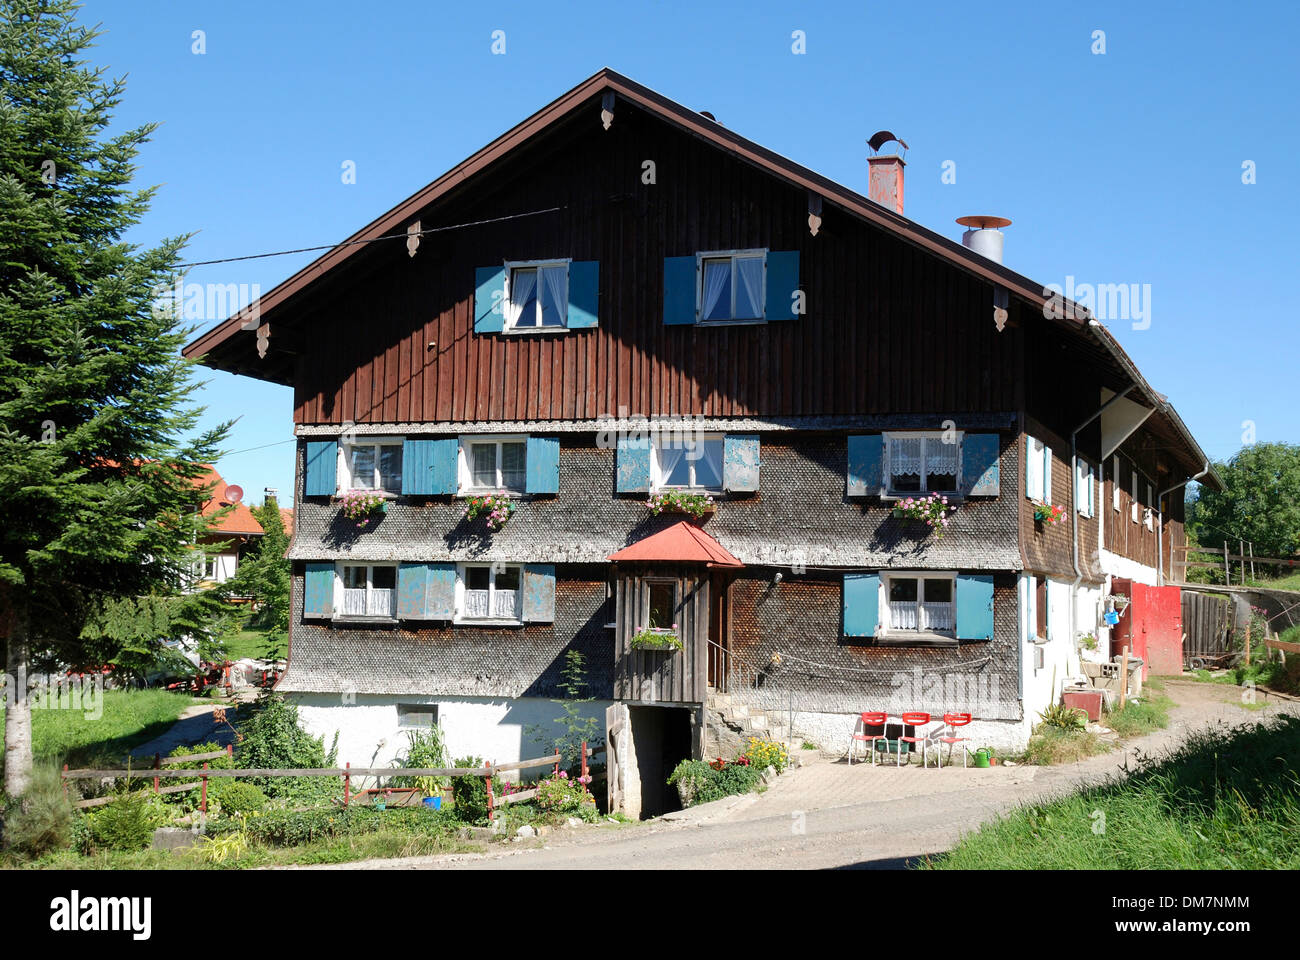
648 303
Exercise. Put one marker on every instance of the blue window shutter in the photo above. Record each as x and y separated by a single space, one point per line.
782 282
543 472
429 466
974 606
318 590
633 467
538 589
584 293
426 591
489 294
861 604
866 465
740 462
680 285
322 468
979 464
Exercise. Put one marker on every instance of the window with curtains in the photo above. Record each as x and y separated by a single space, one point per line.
372 464
491 464
368 590
921 604
922 462
731 286
537 296
687 463
488 592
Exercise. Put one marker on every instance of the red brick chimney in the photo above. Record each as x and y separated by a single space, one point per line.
885 172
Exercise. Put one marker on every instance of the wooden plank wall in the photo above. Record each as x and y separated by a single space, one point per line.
1207 622
662 676
889 329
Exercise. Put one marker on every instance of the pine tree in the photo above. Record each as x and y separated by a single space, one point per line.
97 483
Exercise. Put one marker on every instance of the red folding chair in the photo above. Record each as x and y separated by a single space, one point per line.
915 720
868 719
952 721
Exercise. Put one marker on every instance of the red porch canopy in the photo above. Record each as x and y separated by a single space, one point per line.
681 543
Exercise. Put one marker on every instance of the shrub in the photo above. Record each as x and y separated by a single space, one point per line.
128 822
288 828
272 738
425 749
700 782
470 793
564 794
236 797
42 820
1061 717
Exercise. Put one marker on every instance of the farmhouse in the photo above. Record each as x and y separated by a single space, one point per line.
691 425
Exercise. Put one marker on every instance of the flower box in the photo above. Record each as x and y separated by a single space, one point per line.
652 639
494 508
674 501
1048 513
932 510
363 506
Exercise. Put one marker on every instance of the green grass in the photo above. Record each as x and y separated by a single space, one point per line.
127 719
1290 582
246 644
1219 802
1140 717
1052 745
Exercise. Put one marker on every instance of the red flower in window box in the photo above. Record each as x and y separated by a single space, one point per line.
1048 513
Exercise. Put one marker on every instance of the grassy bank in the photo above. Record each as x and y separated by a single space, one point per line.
1217 803
111 727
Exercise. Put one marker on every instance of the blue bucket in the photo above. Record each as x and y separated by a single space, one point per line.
433 803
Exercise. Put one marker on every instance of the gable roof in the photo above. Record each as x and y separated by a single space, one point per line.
240 520
1076 320
683 542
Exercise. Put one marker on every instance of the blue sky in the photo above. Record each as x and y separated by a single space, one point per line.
1122 167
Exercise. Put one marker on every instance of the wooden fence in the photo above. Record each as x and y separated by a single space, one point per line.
1207 624
159 772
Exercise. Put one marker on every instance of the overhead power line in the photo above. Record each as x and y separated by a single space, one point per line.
352 243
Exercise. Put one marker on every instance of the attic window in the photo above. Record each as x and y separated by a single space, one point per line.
537 296
731 286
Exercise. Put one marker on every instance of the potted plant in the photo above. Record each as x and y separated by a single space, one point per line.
656 638
494 508
1087 641
1049 513
932 510
675 501
363 506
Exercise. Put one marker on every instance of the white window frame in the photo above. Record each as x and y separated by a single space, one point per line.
1035 447
886 623
510 322
1115 483
419 710
1149 516
733 255
493 569
1134 510
660 442
347 480
1084 501
465 465
925 436
370 567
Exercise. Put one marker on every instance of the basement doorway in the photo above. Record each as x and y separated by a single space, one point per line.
662 737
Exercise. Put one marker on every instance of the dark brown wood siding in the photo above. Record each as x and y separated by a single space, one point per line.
656 676
889 328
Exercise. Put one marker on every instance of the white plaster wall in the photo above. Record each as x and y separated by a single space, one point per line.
1116 566
495 729
831 732
1087 620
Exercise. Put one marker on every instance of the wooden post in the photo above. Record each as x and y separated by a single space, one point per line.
556 771
1241 545
1248 641
491 798
347 783
157 764
1227 573
203 791
584 760
65 779
1252 561
1123 679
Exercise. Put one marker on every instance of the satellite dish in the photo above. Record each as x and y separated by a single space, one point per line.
234 494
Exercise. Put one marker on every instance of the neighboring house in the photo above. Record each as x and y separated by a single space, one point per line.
648 303
233 531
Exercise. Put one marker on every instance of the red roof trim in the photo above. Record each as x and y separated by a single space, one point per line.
683 542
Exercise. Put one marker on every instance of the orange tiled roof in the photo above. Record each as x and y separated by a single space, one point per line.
240 520
683 543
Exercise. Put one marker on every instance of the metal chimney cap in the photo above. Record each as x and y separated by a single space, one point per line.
882 137
984 223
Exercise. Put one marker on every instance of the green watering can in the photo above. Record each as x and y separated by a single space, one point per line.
981 757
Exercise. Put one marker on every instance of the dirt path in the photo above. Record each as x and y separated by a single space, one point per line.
195 725
831 815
